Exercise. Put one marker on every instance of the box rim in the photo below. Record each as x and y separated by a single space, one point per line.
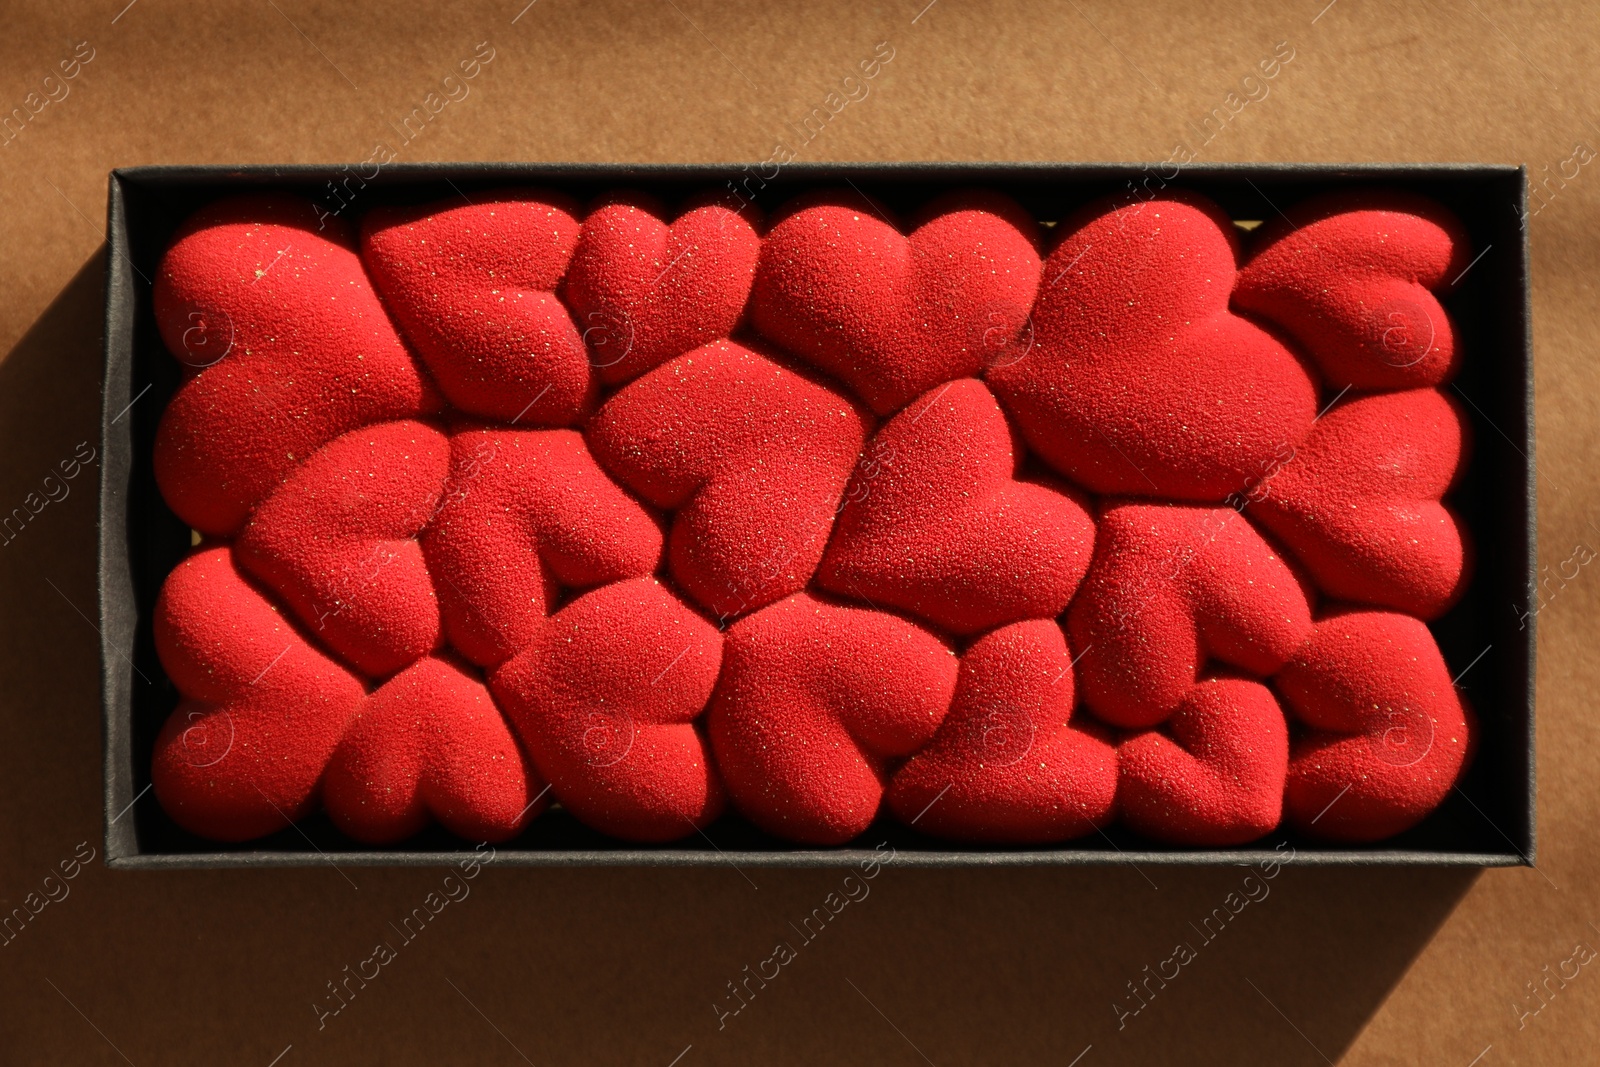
948 859
113 572
1530 477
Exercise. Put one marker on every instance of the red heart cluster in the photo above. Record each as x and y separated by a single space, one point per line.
814 517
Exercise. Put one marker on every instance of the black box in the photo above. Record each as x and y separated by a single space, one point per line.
1487 821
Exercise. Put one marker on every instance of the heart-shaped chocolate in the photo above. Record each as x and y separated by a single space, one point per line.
1172 586
338 542
1140 380
815 698
1354 280
473 286
262 708
1213 775
442 498
430 744
940 526
523 512
1005 764
892 316
605 698
644 292
286 346
1359 502
1389 733
752 455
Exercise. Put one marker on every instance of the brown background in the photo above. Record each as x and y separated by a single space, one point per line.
551 967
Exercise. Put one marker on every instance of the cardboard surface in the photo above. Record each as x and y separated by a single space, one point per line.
552 966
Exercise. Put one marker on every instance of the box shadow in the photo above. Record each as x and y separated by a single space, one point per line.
49 418
1042 955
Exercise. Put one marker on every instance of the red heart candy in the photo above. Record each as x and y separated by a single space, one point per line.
1354 282
1359 502
262 709
337 541
288 348
940 527
814 700
1005 765
1140 380
645 292
1390 735
430 744
473 286
523 511
1215 775
753 457
893 316
606 697
1169 588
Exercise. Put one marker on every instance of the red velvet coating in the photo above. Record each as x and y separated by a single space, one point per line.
522 529
1354 280
605 698
337 540
1213 775
890 315
1006 764
526 511
814 701
430 744
286 346
473 286
644 292
1171 588
751 454
939 525
1359 502
262 708
1389 733
1140 380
